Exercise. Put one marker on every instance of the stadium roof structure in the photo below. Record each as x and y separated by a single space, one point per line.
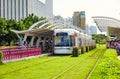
108 24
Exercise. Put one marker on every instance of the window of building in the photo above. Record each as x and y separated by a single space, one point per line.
15 8
18 9
7 9
3 8
26 7
23 9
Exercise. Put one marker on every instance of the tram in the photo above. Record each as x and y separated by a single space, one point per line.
65 39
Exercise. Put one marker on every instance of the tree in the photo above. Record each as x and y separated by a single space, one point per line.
7 36
100 38
20 25
11 25
3 30
31 19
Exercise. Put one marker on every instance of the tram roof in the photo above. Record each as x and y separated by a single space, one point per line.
108 24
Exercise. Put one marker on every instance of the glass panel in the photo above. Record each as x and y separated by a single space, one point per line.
64 40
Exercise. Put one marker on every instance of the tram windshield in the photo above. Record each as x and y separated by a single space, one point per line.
63 39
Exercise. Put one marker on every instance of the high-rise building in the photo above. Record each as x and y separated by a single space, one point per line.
82 20
87 29
92 30
79 19
69 20
76 19
19 9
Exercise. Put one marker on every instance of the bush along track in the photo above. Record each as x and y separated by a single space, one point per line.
1 55
76 67
108 67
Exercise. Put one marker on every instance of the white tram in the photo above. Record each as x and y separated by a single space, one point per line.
65 39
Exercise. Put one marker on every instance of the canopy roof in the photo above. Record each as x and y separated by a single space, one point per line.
108 24
47 25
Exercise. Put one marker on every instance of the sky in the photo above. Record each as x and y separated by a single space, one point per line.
109 8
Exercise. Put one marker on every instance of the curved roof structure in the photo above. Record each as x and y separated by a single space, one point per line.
46 26
108 24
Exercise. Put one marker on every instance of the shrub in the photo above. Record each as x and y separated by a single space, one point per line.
1 55
75 52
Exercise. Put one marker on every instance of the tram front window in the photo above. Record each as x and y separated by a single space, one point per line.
63 40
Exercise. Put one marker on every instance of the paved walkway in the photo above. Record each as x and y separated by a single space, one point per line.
7 61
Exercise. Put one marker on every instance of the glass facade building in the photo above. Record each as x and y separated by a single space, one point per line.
79 19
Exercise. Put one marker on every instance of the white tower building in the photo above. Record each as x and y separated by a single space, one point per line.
18 9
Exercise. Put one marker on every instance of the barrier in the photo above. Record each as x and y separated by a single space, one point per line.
17 53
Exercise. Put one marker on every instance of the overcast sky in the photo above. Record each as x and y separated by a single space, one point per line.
65 8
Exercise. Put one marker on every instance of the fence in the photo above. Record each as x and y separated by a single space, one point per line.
19 52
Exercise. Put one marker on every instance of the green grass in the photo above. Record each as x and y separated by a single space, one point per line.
48 67
108 67
83 68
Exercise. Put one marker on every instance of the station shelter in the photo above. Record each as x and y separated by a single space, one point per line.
42 33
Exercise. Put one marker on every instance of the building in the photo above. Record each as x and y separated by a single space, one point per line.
82 20
76 19
108 24
87 29
79 19
93 29
19 9
69 20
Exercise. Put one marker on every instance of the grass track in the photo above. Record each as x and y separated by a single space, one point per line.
108 67
81 70
49 66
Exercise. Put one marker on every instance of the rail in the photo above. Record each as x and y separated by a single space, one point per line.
92 70
97 57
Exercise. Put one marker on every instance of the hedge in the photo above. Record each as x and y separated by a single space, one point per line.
75 52
1 55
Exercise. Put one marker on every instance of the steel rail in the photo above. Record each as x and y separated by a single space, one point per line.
92 70
75 64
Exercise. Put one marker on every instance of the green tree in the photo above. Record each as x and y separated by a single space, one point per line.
3 31
7 36
31 19
10 36
100 38
20 25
